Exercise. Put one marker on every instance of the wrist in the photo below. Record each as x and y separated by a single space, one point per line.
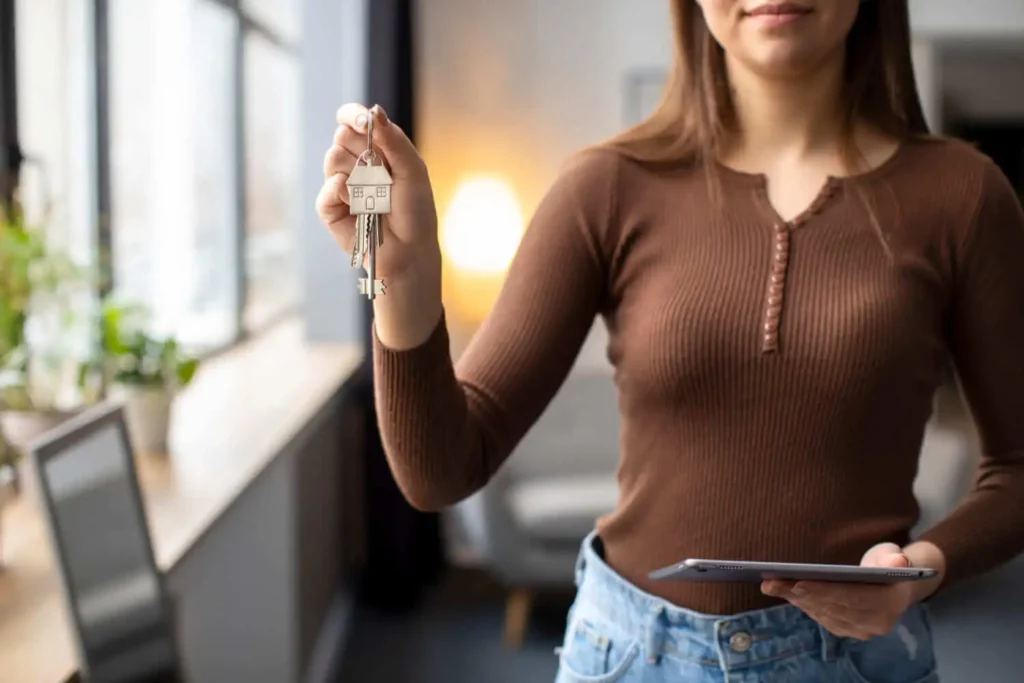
927 555
410 311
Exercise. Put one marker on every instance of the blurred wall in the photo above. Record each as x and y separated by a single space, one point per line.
985 84
512 88
960 19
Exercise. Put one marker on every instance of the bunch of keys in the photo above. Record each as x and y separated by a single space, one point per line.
369 190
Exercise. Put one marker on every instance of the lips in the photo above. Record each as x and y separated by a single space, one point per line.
778 9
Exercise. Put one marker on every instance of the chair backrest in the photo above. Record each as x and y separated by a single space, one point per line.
114 591
578 434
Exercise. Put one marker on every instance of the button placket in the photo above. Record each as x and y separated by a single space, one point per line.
775 297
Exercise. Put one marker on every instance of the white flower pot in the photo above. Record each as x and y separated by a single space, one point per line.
147 414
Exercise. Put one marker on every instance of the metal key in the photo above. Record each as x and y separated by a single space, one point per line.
370 286
369 187
359 249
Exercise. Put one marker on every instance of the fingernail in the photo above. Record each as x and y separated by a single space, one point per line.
797 590
361 121
380 114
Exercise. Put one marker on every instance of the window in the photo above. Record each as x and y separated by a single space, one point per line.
204 158
173 165
185 124
58 176
382 191
281 16
273 199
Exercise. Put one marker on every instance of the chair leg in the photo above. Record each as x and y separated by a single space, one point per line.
517 617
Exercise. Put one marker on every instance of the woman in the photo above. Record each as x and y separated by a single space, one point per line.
785 261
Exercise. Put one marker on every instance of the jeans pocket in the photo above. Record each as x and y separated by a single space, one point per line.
593 653
905 655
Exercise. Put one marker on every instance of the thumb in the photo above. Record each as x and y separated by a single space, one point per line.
885 555
393 143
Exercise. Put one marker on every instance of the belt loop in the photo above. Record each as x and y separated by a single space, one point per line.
830 645
655 636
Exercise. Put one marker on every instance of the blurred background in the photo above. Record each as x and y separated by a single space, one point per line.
160 163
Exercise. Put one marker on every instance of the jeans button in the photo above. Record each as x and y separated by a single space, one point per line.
740 642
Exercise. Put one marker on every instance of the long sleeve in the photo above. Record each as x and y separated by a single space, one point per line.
446 430
986 335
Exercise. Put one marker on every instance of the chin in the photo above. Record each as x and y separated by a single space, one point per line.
783 61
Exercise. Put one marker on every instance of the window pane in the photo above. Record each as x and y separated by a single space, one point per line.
280 16
174 165
273 199
58 180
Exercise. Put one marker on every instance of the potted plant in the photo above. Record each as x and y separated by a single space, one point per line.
38 286
145 371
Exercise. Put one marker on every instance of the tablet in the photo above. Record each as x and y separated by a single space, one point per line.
756 572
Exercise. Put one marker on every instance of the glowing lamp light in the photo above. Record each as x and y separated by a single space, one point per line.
480 233
482 227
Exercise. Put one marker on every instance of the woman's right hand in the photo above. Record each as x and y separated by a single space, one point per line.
410 230
410 259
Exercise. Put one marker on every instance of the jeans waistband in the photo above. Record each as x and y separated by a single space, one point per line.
731 642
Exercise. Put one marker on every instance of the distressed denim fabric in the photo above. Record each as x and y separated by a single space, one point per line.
616 633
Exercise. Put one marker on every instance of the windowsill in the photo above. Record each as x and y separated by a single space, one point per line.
245 407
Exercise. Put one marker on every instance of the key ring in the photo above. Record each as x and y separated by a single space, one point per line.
369 157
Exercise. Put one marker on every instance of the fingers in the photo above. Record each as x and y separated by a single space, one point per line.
881 555
851 611
334 211
331 204
393 143
339 159
343 230
353 115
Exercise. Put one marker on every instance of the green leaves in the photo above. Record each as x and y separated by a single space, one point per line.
187 370
130 355
35 279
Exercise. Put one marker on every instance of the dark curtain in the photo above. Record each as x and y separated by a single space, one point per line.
404 550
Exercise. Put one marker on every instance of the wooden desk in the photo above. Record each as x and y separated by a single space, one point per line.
241 412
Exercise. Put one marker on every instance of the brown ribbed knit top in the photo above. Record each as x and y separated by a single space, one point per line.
774 378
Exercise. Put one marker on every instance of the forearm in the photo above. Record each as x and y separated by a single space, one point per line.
432 436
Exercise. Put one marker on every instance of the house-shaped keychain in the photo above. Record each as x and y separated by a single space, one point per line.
369 190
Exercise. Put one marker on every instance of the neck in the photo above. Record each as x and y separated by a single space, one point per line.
787 119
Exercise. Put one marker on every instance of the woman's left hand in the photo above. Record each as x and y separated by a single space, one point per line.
852 610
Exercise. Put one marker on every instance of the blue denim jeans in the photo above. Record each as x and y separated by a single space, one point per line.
619 634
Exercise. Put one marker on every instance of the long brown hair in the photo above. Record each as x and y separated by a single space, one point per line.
695 115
